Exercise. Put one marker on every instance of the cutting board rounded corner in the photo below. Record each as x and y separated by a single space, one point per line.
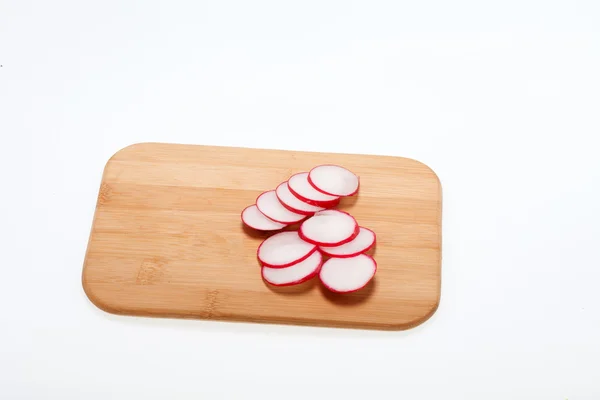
133 147
431 171
95 298
420 320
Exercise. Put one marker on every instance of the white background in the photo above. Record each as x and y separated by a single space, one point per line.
501 99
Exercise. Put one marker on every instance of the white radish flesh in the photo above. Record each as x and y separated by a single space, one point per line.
329 228
361 243
344 275
295 274
294 204
252 217
271 207
333 180
299 186
284 249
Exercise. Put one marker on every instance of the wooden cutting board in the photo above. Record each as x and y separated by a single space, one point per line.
167 239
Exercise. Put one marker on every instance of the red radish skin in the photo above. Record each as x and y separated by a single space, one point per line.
303 190
295 274
254 219
348 275
363 242
334 180
284 249
329 228
294 204
271 207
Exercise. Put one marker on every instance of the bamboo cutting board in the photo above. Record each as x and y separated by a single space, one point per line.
167 239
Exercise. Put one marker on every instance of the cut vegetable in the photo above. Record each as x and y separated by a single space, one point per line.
284 249
329 228
344 275
299 186
294 204
333 180
361 243
252 217
295 274
271 207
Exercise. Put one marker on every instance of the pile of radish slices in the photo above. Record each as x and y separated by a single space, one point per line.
328 242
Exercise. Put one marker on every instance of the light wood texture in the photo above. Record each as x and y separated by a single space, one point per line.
167 240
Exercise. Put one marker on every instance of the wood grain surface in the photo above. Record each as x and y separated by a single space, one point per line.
167 239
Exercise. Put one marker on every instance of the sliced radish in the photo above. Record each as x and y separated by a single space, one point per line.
299 186
344 275
252 217
361 243
271 207
333 180
329 228
284 249
294 204
295 274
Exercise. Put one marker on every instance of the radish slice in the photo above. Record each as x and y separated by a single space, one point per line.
345 275
333 180
271 207
284 249
296 274
294 204
252 217
299 186
361 243
329 228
